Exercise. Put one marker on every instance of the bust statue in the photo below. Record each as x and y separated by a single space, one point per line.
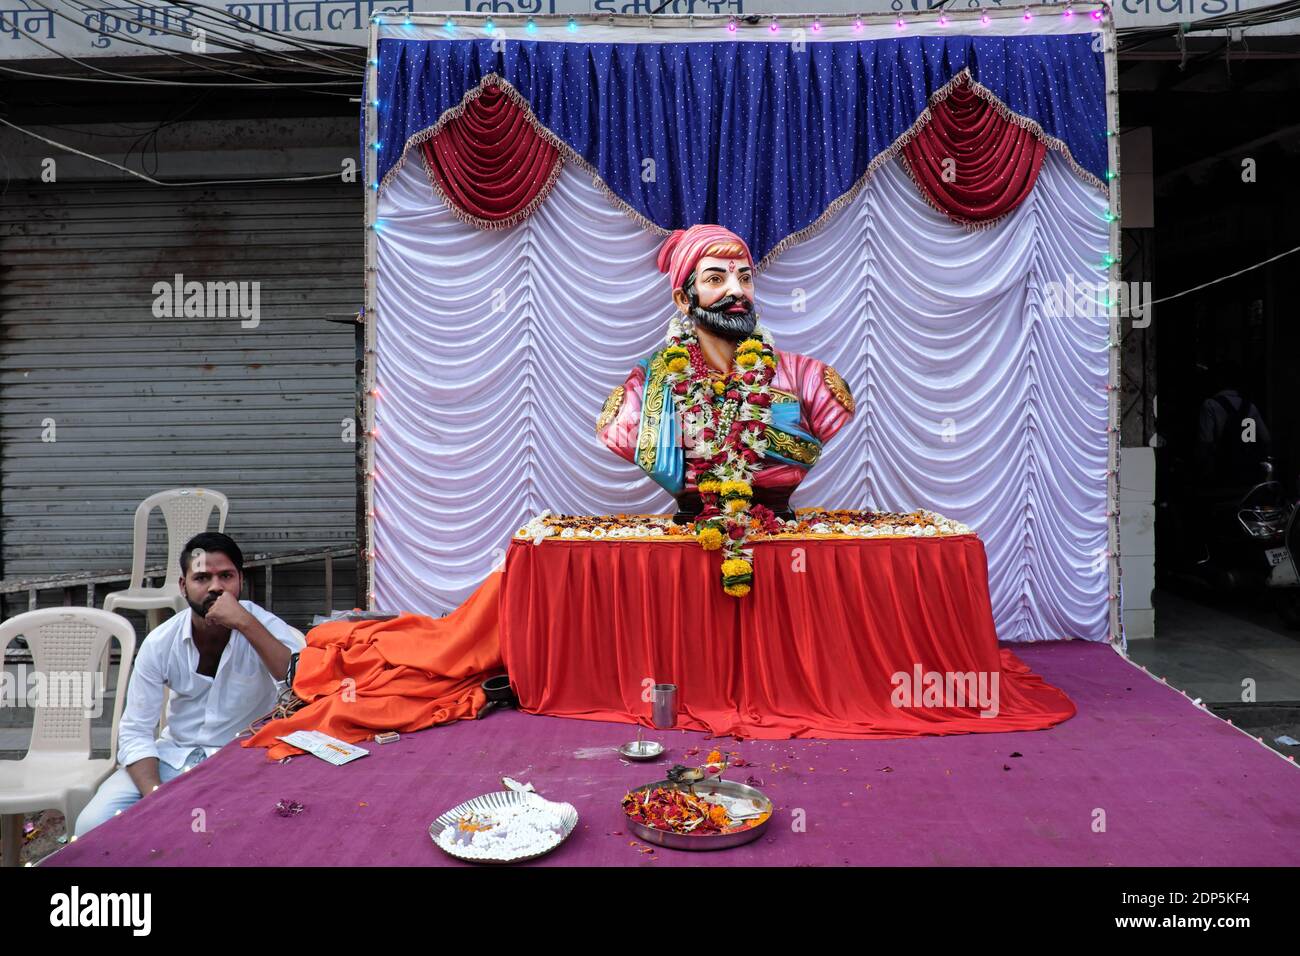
719 403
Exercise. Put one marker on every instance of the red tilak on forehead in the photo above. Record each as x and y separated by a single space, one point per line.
731 266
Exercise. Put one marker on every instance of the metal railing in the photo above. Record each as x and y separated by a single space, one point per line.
70 584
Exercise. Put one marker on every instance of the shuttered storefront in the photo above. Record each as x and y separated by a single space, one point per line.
103 402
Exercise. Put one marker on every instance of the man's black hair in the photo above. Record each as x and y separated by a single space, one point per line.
212 541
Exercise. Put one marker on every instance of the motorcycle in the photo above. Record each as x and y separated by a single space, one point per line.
1283 579
1234 541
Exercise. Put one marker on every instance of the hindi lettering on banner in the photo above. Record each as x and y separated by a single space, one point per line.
398 9
159 21
496 6
308 19
253 16
28 22
338 11
535 7
687 7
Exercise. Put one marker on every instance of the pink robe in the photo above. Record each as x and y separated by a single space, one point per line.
822 413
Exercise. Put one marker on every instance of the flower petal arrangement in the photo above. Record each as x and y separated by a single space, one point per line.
809 523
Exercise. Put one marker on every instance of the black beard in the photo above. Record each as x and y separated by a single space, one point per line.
733 326
201 609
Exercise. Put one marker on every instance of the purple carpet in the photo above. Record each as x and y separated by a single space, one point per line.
1177 787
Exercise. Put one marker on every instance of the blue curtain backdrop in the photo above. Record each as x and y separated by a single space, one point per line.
756 136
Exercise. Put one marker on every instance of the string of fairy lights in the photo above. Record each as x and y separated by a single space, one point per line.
733 24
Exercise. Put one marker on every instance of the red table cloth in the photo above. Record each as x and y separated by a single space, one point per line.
813 651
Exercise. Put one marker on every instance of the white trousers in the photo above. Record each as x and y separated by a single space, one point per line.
119 793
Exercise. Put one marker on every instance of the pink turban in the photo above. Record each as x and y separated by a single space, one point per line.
684 248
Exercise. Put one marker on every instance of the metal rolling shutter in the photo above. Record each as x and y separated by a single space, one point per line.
140 403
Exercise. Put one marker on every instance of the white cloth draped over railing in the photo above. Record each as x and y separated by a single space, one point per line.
496 350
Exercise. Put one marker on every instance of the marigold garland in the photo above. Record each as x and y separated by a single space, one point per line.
726 419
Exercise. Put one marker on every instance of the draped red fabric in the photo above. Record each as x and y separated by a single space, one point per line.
811 652
490 163
970 162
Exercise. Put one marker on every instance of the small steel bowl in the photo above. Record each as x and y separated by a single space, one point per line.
649 750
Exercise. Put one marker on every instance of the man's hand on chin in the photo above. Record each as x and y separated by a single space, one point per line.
226 611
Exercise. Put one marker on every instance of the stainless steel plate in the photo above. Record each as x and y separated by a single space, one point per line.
649 750
705 841
495 801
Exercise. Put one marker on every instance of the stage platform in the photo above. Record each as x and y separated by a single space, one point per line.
1177 786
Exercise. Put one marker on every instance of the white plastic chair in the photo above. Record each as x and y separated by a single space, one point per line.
186 512
57 772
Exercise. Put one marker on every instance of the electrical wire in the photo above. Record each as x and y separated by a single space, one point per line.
1259 16
327 47
228 40
148 140
306 86
1206 285
158 182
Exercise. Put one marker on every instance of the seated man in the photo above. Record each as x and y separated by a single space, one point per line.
224 661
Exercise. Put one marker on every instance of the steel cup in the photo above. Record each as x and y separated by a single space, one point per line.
664 701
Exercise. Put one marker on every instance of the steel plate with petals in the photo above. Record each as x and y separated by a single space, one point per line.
705 841
490 802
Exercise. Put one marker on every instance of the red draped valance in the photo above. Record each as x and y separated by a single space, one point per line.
970 162
971 159
489 162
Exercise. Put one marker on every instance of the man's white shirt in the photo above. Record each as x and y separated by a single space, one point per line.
203 711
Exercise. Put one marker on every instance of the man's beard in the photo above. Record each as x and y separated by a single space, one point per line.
202 609
734 326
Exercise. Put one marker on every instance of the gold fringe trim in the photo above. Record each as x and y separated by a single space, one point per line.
896 149
567 154
478 221
970 225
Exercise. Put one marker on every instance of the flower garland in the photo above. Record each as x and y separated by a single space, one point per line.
726 419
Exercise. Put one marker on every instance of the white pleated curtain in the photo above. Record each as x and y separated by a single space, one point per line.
496 350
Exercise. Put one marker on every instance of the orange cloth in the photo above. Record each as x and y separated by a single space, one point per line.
410 673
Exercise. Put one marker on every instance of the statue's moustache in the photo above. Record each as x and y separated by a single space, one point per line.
727 301
730 325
